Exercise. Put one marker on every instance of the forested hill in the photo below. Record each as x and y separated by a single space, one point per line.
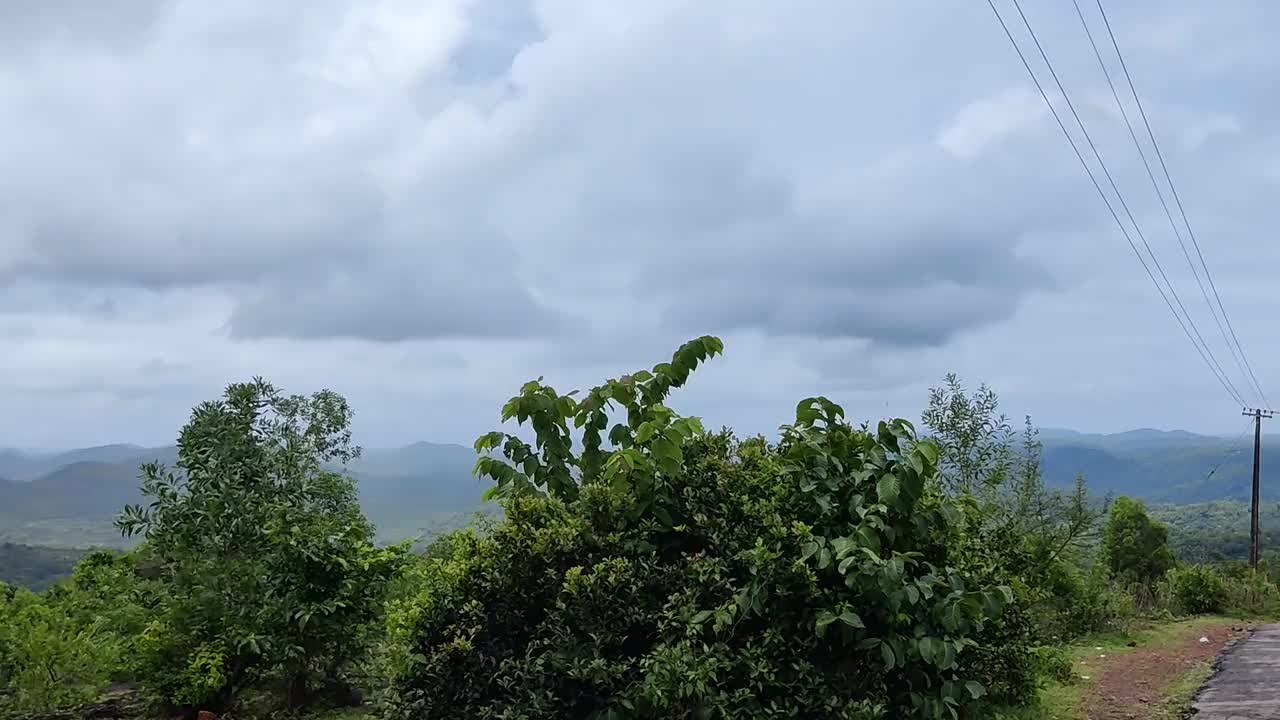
68 499
1161 466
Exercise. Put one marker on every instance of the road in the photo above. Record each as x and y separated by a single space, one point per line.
1247 687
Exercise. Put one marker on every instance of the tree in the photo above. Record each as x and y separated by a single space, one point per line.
1135 546
975 441
980 457
267 562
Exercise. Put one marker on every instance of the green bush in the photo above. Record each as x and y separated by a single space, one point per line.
1053 662
46 659
1197 589
1077 602
1251 594
682 574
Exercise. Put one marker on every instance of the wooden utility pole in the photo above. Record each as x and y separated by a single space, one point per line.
1255 535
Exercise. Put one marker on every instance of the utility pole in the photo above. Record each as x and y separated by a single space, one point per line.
1255 535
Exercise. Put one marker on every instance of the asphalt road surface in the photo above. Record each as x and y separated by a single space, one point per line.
1247 687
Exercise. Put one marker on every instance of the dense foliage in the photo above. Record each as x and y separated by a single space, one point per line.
681 574
267 563
1136 547
65 645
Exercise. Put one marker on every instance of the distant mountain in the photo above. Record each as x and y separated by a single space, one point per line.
70 498
1160 466
23 466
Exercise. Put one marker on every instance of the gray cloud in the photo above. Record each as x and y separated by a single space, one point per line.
860 197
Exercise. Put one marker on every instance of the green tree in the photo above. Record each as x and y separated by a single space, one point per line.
975 440
267 562
1135 546
981 457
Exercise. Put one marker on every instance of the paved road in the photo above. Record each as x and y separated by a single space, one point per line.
1248 685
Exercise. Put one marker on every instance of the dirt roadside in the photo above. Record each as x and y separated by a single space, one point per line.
1134 684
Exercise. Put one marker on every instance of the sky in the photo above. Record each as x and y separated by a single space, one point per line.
421 204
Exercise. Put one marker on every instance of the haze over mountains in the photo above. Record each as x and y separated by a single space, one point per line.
68 498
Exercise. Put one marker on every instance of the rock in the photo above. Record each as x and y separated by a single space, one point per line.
1204 640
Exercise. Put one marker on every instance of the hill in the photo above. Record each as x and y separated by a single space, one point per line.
68 499
414 490
1160 466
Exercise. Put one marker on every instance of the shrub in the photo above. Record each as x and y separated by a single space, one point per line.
1081 601
1197 589
46 660
1053 662
1251 594
683 574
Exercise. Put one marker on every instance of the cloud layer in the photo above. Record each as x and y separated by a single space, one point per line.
423 202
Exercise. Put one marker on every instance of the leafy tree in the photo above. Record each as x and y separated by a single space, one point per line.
268 564
980 456
685 574
975 441
1135 546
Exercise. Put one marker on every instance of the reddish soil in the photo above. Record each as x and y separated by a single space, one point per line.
1133 681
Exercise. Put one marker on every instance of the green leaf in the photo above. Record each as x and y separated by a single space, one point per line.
700 617
928 449
887 488
850 618
925 646
809 550
844 564
646 432
807 411
824 559
886 654
975 689
825 618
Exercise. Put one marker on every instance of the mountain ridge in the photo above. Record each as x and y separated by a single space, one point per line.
416 488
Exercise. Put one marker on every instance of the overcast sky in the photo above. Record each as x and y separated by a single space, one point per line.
423 203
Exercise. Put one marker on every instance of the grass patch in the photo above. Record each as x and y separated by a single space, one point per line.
1178 697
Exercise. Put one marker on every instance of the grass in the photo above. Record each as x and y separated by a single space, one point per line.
1065 701
1180 693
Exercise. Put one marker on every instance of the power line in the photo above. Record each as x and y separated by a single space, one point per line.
1178 201
1101 193
1233 448
1125 206
1173 224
